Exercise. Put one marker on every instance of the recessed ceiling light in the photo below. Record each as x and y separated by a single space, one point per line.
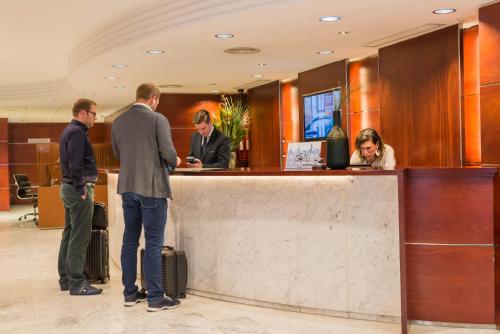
50 100
258 75
224 35
155 52
111 78
329 18
262 64
444 11
170 86
242 50
343 32
213 84
215 91
119 65
119 86
325 52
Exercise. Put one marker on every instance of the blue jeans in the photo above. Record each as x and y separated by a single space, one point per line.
151 213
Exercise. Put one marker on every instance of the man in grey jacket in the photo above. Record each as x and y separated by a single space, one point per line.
142 141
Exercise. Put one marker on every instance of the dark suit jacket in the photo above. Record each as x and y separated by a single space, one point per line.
216 154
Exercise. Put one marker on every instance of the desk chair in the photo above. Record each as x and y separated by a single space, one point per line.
26 192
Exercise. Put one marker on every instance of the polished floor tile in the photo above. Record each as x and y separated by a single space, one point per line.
31 302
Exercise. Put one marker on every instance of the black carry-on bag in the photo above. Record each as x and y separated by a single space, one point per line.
96 267
174 272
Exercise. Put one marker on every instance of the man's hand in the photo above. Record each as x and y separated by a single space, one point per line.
197 164
84 196
178 162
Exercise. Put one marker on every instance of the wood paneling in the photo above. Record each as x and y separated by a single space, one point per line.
471 128
20 132
451 283
264 133
364 102
290 130
320 79
4 199
489 40
4 129
420 99
449 210
490 124
180 108
22 153
4 165
182 142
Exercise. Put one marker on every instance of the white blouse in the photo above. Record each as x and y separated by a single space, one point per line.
387 159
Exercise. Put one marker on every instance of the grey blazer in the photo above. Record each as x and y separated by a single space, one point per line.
140 139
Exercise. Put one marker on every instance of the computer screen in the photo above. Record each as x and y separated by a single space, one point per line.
318 113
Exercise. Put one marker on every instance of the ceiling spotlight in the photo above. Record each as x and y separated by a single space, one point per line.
111 78
258 75
155 52
170 86
212 84
325 52
119 65
329 18
262 64
343 32
215 91
444 11
224 35
50 100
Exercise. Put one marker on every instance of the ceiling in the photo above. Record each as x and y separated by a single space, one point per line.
56 51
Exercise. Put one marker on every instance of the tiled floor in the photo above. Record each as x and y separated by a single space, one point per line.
31 302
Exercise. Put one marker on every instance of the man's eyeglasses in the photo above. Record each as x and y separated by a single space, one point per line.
93 113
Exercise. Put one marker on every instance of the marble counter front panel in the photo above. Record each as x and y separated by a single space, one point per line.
325 243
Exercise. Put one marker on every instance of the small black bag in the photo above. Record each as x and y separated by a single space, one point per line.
100 217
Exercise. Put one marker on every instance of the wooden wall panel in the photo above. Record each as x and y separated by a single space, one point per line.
364 98
449 210
471 128
420 99
490 124
22 153
489 40
290 129
180 108
264 133
4 165
320 79
20 132
451 284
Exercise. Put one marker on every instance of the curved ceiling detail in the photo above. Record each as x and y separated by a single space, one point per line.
36 90
153 18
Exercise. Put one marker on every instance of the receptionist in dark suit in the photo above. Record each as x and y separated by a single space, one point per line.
209 146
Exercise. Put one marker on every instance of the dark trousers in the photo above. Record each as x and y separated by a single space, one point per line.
76 234
151 213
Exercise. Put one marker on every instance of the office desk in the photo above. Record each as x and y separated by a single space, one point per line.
51 209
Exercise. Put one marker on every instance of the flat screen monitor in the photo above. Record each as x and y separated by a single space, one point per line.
318 113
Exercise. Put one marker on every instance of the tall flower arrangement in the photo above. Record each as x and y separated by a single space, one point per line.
234 119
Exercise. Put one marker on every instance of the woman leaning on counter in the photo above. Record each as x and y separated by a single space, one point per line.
371 150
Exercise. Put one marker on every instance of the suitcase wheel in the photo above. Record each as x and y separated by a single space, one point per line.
182 295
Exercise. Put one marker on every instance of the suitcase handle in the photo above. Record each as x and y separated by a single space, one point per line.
169 247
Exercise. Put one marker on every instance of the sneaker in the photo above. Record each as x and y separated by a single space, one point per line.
139 296
165 303
85 290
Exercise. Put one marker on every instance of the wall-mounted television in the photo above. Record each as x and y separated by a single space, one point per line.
318 113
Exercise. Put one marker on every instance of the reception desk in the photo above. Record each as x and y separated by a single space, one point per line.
354 243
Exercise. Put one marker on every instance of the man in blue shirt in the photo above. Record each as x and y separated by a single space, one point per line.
79 173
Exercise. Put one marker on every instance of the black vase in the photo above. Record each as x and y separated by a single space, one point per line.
337 146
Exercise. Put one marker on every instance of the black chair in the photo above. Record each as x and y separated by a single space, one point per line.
25 191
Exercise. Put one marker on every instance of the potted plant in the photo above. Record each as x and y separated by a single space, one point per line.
233 121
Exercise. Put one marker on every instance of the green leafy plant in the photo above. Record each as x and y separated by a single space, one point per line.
234 119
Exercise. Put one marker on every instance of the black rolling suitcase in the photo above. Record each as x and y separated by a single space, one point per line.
174 272
96 267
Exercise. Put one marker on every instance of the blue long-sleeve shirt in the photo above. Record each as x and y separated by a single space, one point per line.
78 164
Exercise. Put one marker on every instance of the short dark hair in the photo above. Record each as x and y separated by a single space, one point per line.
82 104
147 91
201 115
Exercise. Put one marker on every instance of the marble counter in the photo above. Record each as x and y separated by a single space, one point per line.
325 244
